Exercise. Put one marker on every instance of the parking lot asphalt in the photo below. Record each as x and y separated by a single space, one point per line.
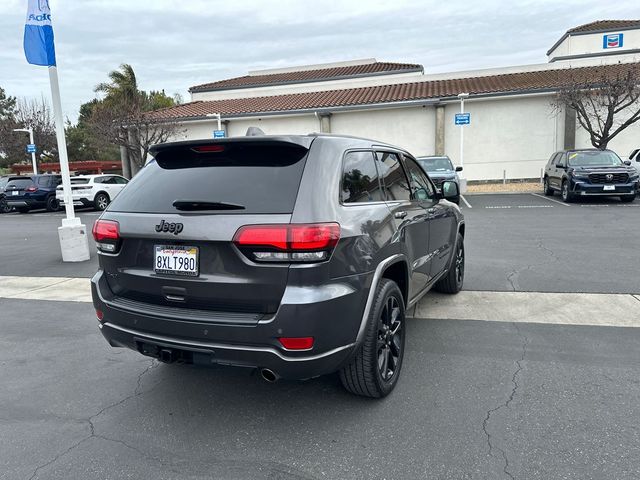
515 242
476 400
527 242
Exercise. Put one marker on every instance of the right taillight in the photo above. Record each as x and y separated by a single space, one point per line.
309 242
106 233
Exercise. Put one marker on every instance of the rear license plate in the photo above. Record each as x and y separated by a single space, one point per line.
15 192
608 188
176 260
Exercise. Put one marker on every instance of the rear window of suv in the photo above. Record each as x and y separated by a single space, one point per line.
262 177
20 183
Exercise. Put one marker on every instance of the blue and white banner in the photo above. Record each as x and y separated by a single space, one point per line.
38 34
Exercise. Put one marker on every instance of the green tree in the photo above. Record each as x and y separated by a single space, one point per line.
82 143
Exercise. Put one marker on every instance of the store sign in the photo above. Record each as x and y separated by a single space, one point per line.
612 40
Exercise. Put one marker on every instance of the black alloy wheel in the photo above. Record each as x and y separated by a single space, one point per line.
389 345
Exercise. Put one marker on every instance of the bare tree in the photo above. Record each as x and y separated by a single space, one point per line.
25 113
605 103
134 129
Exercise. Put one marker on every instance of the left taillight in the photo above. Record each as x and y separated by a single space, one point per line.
106 233
288 242
32 188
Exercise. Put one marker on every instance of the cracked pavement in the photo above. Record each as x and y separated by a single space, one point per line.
476 400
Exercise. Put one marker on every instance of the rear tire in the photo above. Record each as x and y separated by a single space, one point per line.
452 282
627 198
101 201
375 368
53 205
4 208
548 191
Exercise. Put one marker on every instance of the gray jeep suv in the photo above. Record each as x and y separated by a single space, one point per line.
296 255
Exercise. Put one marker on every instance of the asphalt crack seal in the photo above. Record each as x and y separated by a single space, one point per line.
513 275
92 433
485 424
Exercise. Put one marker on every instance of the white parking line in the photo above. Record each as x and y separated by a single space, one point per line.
465 202
550 199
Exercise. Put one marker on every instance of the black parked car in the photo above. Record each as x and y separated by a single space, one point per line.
296 255
440 169
4 208
590 172
26 193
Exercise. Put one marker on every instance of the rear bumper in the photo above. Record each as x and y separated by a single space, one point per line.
78 201
24 202
332 314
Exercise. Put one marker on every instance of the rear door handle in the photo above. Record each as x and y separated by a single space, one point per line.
400 214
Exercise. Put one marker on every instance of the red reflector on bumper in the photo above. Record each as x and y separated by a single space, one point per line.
100 315
296 343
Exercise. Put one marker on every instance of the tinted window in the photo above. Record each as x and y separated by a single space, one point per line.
44 181
561 161
20 183
261 176
120 180
360 178
79 180
421 188
393 177
99 179
553 159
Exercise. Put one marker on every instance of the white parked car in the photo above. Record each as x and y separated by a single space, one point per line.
94 190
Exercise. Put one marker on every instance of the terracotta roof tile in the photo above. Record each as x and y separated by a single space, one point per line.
600 25
543 80
308 76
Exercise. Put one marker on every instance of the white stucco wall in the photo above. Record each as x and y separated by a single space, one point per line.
512 134
516 134
412 128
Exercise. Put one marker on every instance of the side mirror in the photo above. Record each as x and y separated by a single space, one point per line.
458 169
627 163
450 190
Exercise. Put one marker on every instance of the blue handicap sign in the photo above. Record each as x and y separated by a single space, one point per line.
463 118
218 134
31 148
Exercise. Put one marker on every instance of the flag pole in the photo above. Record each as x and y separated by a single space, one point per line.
62 149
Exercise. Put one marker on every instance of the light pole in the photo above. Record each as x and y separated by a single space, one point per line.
33 154
218 116
463 179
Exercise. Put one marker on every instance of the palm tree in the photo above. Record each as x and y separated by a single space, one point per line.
123 87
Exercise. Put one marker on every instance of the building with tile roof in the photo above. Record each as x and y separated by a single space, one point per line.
514 125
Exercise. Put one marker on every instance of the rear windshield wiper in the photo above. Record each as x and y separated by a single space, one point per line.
192 205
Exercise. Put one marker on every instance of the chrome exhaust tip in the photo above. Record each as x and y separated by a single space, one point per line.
269 375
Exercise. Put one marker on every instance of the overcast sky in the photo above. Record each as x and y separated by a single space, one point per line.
175 44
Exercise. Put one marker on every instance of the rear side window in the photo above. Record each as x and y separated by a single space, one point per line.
393 178
261 177
360 179
561 161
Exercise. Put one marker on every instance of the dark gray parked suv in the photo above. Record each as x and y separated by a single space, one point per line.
296 255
